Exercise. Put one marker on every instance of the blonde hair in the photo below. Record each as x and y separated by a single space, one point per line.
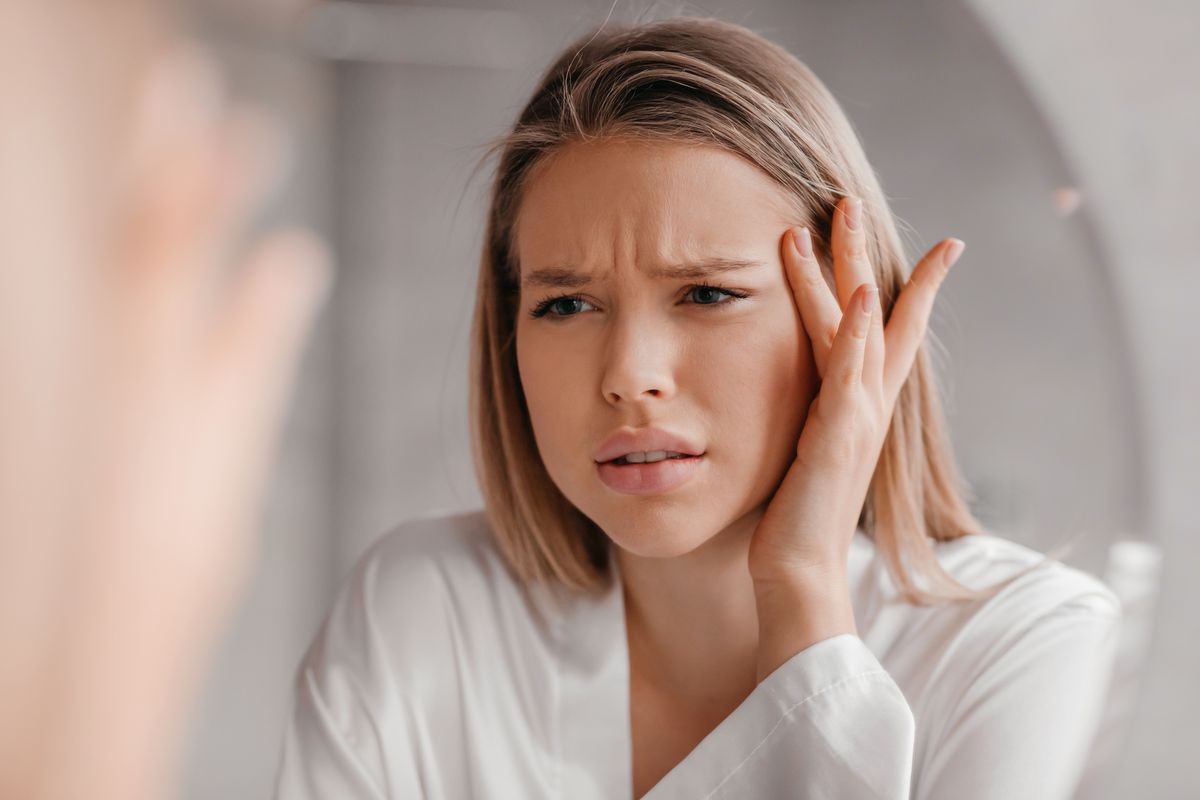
702 81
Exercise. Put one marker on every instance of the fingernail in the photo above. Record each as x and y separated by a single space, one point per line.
803 242
952 252
868 299
853 212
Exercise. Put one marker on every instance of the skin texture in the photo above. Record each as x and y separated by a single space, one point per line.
647 351
789 391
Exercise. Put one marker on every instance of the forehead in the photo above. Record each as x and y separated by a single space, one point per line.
593 205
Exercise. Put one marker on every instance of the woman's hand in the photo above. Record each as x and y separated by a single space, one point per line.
147 358
799 550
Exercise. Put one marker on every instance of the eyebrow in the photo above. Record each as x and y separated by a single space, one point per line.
567 278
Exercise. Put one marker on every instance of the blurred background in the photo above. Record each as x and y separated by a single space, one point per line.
1055 138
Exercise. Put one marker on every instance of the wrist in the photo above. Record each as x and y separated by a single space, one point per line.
799 611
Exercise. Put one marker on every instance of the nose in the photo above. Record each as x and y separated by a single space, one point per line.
638 363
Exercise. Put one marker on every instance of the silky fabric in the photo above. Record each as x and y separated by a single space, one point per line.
436 674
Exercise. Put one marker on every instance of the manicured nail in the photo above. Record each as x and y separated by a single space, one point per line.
803 241
853 212
868 299
952 252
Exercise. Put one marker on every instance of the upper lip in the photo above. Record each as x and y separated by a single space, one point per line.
635 440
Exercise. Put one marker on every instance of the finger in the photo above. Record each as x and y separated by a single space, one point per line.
910 316
182 93
249 163
275 296
169 181
818 306
256 353
875 352
843 381
848 241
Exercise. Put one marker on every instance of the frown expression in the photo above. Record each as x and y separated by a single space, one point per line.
634 346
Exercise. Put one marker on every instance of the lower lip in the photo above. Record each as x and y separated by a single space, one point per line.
642 479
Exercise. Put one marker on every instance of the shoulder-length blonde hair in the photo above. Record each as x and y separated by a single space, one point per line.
702 81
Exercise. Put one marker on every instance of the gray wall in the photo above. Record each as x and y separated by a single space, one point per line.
1068 406
1117 81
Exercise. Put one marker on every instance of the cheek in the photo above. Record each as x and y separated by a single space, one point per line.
762 381
552 381
747 386
764 365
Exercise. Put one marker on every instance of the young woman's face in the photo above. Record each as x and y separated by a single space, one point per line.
730 369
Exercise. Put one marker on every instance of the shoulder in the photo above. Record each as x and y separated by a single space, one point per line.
425 551
410 637
431 571
1037 596
1050 627
426 598
1039 583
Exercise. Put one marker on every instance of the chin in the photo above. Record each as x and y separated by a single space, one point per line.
656 532
656 547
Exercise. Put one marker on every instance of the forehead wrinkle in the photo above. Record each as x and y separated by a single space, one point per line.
564 277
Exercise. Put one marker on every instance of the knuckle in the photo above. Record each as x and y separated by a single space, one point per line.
879 417
848 376
856 250
840 450
813 280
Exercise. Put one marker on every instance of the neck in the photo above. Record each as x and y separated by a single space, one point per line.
692 620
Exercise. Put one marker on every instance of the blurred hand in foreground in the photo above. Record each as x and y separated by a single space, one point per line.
147 355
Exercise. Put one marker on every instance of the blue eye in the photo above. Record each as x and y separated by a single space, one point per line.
701 289
543 308
712 291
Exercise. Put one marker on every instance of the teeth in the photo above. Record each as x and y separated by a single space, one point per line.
648 457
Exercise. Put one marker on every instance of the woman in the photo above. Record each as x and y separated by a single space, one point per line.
724 551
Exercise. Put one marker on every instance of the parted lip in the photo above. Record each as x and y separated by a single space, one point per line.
633 440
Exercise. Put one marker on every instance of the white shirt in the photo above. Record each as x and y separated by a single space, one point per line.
437 675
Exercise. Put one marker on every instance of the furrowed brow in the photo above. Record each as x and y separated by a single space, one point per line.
567 278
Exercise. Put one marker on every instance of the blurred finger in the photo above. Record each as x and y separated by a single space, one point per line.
198 198
266 319
254 358
250 158
181 94
170 183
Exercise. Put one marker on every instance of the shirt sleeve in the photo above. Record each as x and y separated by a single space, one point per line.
1023 725
1016 720
827 723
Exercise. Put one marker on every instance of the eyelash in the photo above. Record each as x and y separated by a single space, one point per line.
543 308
